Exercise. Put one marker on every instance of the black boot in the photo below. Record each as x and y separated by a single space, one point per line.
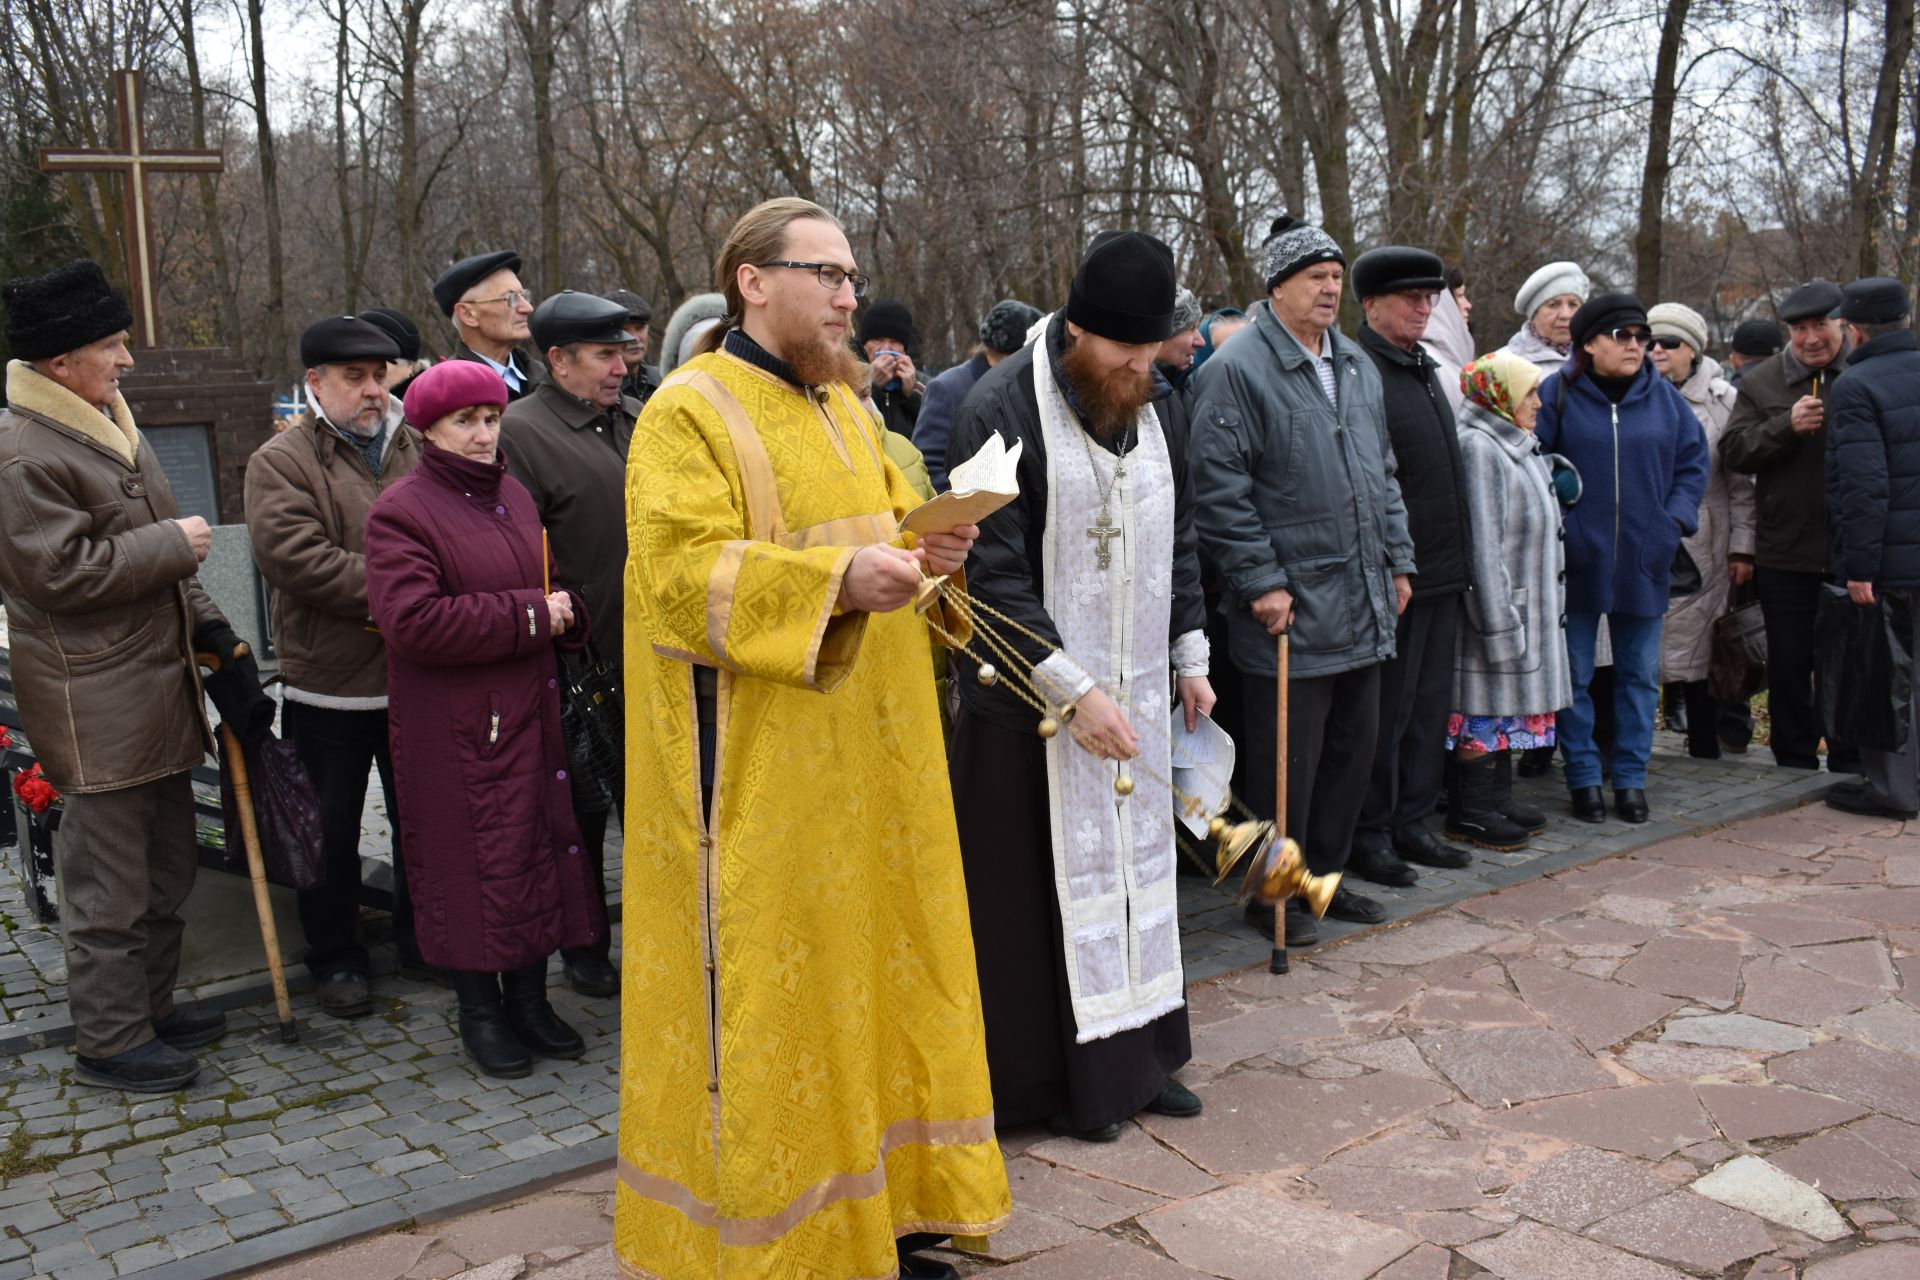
484 1030
1529 819
1474 817
533 1019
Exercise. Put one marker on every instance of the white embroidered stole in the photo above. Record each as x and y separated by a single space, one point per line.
1113 858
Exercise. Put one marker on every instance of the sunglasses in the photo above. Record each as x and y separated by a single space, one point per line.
1623 336
1668 344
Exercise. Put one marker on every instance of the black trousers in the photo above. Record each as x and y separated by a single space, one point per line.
593 833
339 749
1332 724
1703 720
1788 602
1416 696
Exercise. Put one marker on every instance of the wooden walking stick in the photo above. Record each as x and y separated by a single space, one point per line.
1277 963
256 865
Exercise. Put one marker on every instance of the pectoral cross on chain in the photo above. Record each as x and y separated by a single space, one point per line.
1103 533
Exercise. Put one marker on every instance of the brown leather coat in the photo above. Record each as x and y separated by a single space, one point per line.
100 593
308 493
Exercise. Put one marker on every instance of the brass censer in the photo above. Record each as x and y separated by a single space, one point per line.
1277 870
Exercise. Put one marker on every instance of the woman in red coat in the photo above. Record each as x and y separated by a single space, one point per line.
456 580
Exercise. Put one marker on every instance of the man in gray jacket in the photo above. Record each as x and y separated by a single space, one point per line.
1300 515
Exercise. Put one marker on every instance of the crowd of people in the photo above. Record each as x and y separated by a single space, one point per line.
875 907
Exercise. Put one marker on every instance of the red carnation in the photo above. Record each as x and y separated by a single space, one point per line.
35 792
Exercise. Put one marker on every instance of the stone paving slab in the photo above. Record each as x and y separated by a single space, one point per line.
1342 1145
380 1125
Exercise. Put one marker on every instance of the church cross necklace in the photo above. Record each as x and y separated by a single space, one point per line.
1104 530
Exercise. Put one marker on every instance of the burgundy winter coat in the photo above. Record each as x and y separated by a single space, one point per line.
494 860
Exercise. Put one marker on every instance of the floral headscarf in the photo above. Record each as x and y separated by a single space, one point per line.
1499 381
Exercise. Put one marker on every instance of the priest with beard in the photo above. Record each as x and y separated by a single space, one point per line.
804 1088
1075 923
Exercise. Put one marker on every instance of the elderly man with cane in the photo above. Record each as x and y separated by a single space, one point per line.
105 614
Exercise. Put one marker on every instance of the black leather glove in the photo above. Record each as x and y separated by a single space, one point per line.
235 686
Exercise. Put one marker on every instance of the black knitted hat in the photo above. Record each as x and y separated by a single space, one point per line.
1757 338
1124 289
63 310
1292 246
1005 328
888 318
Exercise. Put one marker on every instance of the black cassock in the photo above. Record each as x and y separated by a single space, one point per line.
1000 792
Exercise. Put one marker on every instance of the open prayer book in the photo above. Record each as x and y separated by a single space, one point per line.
982 485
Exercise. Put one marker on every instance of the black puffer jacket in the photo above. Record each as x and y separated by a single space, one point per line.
1873 464
1426 443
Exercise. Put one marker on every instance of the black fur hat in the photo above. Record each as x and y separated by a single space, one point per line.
63 310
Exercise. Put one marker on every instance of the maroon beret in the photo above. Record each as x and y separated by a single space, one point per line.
450 386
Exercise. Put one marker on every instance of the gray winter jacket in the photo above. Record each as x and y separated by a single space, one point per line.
1512 654
1289 494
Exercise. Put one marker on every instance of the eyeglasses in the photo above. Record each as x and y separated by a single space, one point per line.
1639 337
830 276
513 299
1668 344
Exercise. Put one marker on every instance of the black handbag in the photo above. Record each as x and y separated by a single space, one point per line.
1737 668
593 726
1865 657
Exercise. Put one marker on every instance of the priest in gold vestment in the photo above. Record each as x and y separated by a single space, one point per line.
804 1091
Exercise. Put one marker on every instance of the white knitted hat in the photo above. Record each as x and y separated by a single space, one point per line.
1672 320
1551 281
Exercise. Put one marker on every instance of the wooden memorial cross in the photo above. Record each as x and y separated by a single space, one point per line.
132 159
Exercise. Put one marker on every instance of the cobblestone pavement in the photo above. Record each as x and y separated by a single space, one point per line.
364 1126
1698 1059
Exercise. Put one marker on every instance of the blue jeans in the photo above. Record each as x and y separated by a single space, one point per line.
1636 699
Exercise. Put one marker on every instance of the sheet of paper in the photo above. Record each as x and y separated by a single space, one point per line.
1202 769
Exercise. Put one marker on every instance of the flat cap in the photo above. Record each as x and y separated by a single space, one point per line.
1814 300
638 312
399 326
1874 300
468 272
341 339
1392 268
578 317
1757 338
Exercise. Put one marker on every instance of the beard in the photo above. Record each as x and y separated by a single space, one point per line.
1110 399
816 360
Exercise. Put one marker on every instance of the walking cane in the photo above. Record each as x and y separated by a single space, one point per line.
1277 963
256 865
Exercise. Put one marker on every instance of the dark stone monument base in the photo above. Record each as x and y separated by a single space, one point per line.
173 390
